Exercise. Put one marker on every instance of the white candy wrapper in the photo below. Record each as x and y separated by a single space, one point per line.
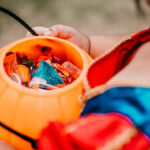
36 80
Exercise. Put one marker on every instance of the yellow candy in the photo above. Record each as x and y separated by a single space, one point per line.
23 73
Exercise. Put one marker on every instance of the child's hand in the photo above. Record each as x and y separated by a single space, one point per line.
65 32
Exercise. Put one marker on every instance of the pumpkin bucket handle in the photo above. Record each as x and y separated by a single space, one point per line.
8 12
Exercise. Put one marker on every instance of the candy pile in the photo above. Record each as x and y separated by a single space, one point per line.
47 72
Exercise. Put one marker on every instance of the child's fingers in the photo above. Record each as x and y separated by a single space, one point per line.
62 31
40 31
65 32
70 34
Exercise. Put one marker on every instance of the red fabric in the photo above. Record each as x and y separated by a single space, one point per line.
91 132
138 143
104 68
53 139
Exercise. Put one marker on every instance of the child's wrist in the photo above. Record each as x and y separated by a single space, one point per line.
89 45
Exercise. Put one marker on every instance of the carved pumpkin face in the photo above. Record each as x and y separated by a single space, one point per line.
28 111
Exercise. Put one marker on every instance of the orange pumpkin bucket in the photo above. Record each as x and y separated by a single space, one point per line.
28 111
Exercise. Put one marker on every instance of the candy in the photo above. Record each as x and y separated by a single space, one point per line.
32 70
10 64
56 60
44 86
48 73
23 60
73 70
48 59
15 78
61 69
23 73
27 62
70 67
63 73
21 57
36 81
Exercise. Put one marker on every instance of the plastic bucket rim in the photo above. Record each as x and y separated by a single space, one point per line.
35 92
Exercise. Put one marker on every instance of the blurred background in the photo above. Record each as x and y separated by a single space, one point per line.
88 16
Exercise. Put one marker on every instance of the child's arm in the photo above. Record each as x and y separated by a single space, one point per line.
94 45
102 43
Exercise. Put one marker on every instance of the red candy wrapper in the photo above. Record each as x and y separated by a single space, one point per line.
63 73
10 64
57 60
73 70
48 59
71 67
61 69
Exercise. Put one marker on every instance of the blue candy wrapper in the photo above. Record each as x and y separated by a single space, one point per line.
47 72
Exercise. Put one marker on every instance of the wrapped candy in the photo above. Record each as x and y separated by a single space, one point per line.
37 81
10 63
57 60
32 70
19 73
23 73
44 86
21 57
61 69
72 69
47 72
27 62
63 73
48 59
15 78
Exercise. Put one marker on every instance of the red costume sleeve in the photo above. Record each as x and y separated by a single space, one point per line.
100 132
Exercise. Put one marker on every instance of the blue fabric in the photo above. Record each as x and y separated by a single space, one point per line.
133 102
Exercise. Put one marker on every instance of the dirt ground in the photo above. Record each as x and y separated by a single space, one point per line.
89 16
